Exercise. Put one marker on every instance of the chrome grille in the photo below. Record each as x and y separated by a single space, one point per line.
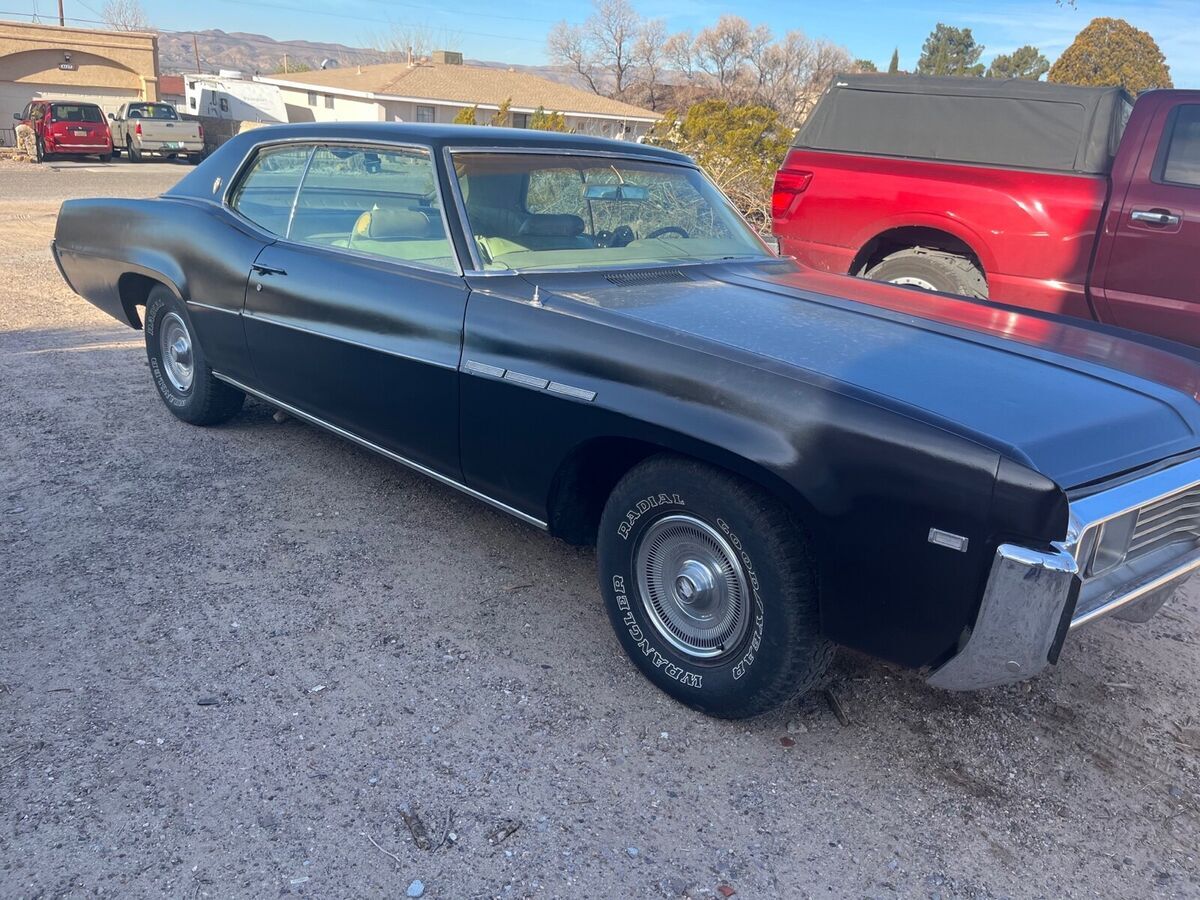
1173 519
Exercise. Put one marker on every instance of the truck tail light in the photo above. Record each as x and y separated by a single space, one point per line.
138 129
200 128
789 185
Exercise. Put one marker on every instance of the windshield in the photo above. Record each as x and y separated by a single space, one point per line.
152 111
532 211
76 112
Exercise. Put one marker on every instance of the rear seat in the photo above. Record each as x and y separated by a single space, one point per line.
404 234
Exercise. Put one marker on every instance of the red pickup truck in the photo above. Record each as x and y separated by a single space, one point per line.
1063 199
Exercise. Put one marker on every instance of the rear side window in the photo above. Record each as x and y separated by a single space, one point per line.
76 112
378 202
267 190
1183 151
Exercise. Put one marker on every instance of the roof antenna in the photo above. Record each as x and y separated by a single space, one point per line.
537 298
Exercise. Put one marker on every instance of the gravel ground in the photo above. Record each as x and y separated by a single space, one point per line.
232 659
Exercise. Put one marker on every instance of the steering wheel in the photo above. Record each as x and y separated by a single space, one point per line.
668 229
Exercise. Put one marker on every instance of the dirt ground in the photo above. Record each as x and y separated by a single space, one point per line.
232 659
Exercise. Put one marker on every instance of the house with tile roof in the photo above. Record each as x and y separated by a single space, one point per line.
438 90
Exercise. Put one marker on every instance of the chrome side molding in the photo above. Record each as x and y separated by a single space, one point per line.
533 382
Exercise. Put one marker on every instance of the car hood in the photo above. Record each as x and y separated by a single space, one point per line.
1076 402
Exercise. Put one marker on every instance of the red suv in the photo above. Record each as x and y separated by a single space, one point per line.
68 128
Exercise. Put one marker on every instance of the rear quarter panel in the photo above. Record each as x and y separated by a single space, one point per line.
201 253
1034 232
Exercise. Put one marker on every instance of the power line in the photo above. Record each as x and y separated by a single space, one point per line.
296 43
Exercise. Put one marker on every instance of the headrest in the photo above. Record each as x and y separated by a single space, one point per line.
559 225
385 224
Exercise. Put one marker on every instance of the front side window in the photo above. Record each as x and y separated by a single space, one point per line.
534 211
382 203
1183 153
268 189
424 113
76 112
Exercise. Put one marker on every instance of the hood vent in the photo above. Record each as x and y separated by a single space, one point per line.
647 276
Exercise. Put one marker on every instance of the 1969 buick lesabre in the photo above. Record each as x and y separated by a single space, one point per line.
584 334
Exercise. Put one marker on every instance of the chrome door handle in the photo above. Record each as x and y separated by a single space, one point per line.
1159 217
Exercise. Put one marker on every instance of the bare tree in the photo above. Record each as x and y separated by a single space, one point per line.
125 15
722 50
650 59
680 56
400 42
602 50
568 45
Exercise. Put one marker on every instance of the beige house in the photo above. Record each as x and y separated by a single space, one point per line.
438 91
46 61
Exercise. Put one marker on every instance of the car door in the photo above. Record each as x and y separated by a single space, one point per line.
355 315
1149 282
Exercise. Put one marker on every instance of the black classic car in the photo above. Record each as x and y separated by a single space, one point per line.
584 334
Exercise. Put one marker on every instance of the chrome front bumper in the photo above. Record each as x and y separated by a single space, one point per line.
1034 598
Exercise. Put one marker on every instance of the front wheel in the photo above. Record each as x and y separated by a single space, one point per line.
711 588
39 151
931 270
180 370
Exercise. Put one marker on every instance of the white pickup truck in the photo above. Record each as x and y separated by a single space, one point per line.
147 128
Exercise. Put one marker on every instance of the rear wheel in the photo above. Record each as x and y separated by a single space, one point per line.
710 587
179 367
931 270
106 157
135 155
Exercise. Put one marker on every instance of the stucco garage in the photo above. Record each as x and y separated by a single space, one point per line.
103 67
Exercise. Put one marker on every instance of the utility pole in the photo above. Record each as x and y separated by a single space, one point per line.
196 50
62 19
285 66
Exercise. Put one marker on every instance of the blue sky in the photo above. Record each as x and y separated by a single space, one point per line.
515 32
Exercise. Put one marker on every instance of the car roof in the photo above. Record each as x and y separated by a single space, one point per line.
227 160
450 135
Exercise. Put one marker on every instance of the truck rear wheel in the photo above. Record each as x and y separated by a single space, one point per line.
710 587
135 155
179 367
931 270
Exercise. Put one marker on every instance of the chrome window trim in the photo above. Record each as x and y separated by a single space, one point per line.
283 323
473 249
314 144
382 451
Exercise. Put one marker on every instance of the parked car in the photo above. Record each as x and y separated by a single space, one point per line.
67 128
141 129
584 334
1064 199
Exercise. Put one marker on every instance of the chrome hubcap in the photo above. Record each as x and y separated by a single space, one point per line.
176 346
692 586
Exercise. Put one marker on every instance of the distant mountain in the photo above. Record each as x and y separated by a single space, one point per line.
257 53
